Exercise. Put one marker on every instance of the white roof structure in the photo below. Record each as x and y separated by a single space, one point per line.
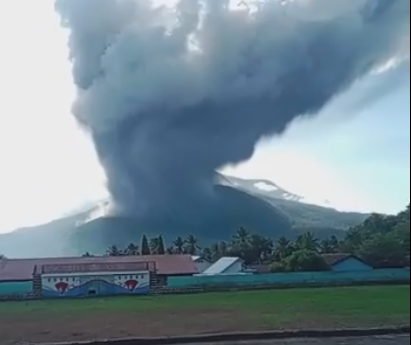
222 266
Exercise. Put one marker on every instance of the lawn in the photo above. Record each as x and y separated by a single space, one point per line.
52 321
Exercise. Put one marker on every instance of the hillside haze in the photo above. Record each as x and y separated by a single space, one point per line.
274 212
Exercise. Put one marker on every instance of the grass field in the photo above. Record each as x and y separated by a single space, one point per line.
52 321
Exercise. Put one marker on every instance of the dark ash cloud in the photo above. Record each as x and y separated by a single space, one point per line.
170 96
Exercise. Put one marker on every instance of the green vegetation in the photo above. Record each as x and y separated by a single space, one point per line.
382 241
54 321
363 305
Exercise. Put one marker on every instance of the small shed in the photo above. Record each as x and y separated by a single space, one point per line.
346 263
226 265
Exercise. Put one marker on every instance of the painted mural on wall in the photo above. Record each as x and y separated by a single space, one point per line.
96 285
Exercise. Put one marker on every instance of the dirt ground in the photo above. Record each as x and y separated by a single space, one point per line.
24 329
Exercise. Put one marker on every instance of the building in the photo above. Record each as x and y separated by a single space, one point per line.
202 264
226 266
71 277
346 263
75 280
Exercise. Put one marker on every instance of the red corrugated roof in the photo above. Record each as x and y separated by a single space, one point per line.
22 269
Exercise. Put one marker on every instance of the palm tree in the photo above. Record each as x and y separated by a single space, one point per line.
215 252
326 247
223 249
283 248
307 241
114 251
161 249
179 244
154 246
335 244
192 246
354 238
170 251
132 249
207 254
242 238
261 249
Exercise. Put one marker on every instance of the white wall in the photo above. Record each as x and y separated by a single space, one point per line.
235 268
74 280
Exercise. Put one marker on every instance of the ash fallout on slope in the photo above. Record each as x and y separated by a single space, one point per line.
170 95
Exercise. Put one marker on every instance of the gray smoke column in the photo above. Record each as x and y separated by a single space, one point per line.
171 95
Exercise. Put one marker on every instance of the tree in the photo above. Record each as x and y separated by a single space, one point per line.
170 251
307 241
402 232
192 246
327 247
2 257
306 261
114 251
132 250
258 250
215 252
161 250
85 255
335 244
145 248
242 239
154 245
283 249
179 244
354 238
383 251
207 254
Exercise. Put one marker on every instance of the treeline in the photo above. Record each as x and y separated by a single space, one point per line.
382 241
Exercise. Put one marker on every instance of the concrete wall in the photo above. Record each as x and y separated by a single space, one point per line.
351 265
16 288
103 284
292 279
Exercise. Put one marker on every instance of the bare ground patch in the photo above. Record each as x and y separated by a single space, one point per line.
45 329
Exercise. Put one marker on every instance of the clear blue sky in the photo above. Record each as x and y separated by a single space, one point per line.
357 157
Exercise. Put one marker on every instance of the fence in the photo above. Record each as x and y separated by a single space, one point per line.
292 279
15 290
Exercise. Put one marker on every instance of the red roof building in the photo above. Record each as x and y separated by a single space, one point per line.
164 265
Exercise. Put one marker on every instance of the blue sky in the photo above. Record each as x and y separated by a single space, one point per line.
356 154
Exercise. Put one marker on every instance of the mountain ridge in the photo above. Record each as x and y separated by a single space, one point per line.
273 213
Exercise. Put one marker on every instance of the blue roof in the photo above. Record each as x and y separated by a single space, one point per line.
221 266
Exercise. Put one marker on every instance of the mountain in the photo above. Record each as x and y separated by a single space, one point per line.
258 205
300 211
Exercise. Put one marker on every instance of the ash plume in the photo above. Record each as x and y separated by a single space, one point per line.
170 95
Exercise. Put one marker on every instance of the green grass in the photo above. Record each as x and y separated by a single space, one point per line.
359 303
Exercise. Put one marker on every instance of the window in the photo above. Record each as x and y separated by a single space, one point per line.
49 280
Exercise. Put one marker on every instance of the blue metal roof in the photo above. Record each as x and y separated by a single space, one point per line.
221 266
